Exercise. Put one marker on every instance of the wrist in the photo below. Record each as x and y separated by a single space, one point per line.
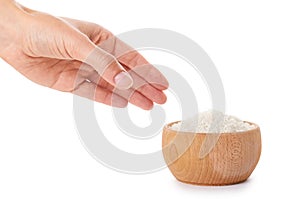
10 23
5 1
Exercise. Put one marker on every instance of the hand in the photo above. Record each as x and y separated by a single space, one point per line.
78 57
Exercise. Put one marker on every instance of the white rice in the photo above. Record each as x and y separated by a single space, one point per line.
212 122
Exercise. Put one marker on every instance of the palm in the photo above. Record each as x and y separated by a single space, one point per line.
56 73
48 72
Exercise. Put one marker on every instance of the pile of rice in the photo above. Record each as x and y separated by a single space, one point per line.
212 122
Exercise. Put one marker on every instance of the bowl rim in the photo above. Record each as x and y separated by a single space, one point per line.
167 128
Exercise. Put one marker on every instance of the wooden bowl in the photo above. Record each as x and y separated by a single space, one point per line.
230 160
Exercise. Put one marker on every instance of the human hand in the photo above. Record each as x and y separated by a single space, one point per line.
78 57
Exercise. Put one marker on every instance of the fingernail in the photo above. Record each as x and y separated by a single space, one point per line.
123 80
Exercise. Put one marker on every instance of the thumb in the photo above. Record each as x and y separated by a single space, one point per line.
104 63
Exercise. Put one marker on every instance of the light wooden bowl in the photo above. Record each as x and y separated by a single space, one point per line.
232 159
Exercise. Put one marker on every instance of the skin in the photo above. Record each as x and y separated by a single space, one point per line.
78 57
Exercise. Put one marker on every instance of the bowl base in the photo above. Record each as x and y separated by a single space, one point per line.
212 184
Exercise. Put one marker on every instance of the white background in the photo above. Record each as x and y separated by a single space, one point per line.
255 46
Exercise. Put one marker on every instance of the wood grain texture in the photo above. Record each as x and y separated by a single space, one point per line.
231 161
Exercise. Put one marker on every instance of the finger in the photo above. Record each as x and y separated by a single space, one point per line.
129 57
131 95
96 93
135 98
136 62
105 64
123 52
148 90
139 84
